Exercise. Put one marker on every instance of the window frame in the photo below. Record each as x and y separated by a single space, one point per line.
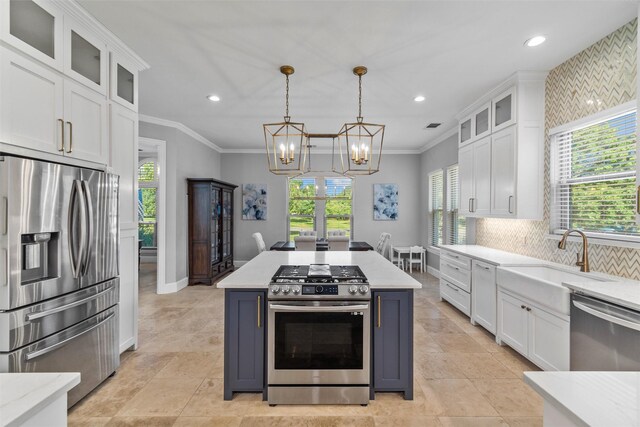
154 184
430 217
449 221
603 238
320 199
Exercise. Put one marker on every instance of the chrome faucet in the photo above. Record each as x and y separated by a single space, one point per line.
584 262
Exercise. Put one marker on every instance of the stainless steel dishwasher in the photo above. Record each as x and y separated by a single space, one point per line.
604 336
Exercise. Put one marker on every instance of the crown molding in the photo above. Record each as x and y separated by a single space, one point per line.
448 134
182 128
75 10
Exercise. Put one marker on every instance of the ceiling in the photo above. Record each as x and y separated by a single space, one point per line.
449 51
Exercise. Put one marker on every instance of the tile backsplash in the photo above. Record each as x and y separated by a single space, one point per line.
600 77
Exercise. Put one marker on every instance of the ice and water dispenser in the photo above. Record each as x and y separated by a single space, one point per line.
39 257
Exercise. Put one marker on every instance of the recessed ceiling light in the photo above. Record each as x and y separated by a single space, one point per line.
214 98
419 98
535 41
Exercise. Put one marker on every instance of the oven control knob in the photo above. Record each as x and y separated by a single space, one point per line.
296 290
319 289
353 289
364 289
286 289
275 289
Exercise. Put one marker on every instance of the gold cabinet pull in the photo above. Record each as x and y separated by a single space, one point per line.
70 137
379 311
61 135
259 311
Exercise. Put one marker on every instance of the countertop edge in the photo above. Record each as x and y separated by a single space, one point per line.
579 287
526 260
529 378
41 395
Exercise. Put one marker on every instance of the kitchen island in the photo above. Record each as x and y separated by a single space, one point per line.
386 325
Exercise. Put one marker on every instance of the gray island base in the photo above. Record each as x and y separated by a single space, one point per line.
246 320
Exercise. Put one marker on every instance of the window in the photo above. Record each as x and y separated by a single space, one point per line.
302 205
593 176
456 224
436 207
147 202
313 206
338 204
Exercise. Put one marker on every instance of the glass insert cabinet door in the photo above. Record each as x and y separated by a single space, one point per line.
35 27
318 341
216 208
227 216
504 110
86 57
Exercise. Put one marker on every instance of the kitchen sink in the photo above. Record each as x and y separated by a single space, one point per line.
542 283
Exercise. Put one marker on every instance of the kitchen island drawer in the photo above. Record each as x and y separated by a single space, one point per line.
456 274
456 296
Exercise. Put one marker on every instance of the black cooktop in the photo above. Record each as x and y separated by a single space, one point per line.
319 273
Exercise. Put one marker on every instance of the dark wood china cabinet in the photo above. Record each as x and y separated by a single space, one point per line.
210 229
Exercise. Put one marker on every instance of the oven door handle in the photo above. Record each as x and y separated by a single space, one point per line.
329 308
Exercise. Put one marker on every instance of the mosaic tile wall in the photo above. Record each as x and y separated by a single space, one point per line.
600 77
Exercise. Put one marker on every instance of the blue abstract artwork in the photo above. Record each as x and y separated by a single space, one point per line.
385 202
254 202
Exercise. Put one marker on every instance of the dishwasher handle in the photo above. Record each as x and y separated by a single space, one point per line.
608 317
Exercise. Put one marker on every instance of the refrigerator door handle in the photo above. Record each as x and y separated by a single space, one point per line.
77 255
89 224
40 314
38 353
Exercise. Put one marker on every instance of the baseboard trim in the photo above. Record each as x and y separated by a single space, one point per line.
433 271
130 343
173 287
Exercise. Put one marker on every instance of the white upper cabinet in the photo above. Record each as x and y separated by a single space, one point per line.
510 120
86 57
504 109
124 83
503 172
31 105
35 27
482 121
465 179
465 131
86 124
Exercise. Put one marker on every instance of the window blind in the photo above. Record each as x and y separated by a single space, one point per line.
594 177
436 207
456 224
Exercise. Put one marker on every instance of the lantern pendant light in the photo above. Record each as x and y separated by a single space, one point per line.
285 138
360 142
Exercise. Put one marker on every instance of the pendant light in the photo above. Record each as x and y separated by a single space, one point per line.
360 143
285 138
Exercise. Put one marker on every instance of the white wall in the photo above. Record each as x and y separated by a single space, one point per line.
186 158
401 169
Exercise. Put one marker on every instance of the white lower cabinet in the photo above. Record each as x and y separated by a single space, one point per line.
483 297
540 336
456 296
128 289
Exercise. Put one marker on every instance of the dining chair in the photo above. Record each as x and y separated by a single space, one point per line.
383 243
307 233
260 242
338 240
305 243
416 250
396 258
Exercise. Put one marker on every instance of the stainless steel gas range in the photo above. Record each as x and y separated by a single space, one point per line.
319 335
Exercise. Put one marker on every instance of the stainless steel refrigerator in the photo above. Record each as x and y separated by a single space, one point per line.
59 286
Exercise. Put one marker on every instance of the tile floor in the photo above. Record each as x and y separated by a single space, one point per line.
462 378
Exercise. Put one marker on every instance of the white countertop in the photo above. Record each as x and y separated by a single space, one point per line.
591 398
625 292
493 256
381 273
23 395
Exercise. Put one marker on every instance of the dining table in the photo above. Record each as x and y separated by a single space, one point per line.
406 251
